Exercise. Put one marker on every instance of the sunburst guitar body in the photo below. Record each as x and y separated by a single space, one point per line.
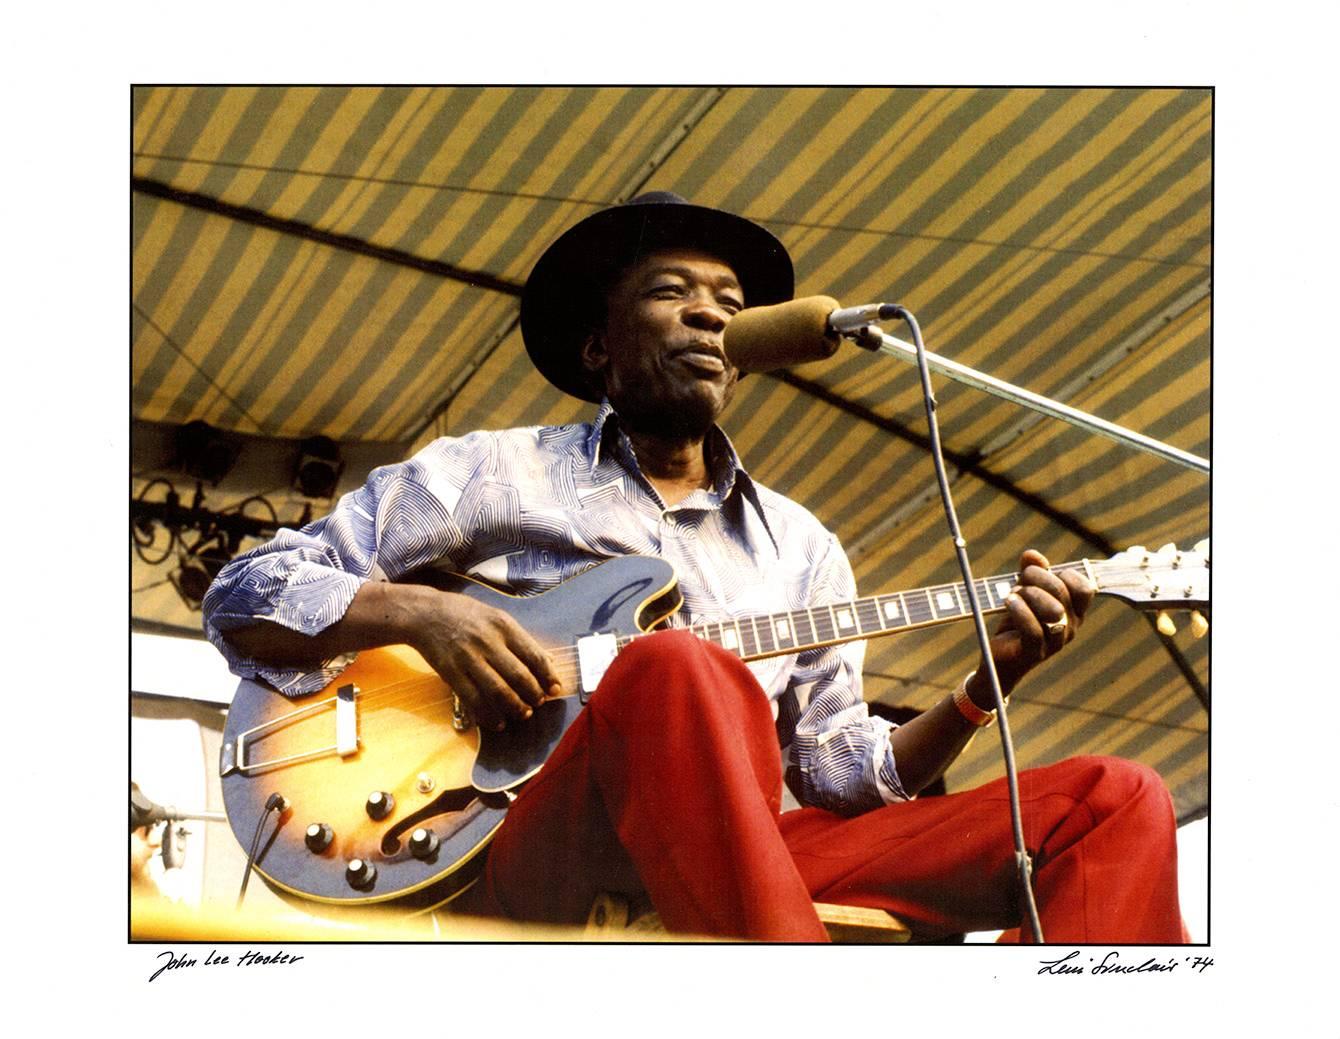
386 798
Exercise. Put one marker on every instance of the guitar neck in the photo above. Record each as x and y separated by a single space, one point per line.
794 631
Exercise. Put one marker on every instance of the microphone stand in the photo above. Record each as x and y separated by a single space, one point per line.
145 813
855 324
877 340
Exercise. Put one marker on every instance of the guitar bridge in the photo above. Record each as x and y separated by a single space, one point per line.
236 757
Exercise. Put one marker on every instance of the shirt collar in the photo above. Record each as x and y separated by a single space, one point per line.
727 472
595 438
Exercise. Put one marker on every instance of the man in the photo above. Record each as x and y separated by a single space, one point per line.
670 781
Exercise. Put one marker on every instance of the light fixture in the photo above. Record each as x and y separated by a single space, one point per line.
319 467
204 452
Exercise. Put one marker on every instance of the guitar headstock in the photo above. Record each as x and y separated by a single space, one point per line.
1169 579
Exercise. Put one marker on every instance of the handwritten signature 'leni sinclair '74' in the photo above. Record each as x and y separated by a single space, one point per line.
1111 963
217 959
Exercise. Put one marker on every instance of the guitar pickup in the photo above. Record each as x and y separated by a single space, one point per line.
595 653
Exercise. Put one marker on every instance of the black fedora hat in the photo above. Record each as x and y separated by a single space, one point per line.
564 295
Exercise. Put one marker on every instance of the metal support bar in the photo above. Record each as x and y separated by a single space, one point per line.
887 344
1122 350
280 225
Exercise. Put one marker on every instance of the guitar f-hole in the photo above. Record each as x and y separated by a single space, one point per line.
458 800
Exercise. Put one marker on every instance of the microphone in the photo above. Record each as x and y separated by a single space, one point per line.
759 339
144 812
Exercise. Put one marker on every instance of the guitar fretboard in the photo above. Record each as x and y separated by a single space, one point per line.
793 631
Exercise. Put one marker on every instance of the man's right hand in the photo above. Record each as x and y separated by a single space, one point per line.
499 672
492 664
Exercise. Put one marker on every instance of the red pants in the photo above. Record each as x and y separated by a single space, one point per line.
670 782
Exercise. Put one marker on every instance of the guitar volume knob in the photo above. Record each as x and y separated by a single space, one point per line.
360 873
423 843
318 837
380 804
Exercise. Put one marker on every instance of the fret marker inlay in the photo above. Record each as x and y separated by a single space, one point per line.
891 610
1002 590
783 628
844 618
729 639
946 601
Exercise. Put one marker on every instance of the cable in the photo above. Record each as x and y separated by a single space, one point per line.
154 483
241 507
1023 863
139 549
139 539
274 801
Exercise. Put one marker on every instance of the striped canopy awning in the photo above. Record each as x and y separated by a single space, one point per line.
346 262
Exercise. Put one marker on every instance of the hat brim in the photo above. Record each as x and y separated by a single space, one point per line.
563 295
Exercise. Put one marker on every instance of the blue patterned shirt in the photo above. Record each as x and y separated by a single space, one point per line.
525 509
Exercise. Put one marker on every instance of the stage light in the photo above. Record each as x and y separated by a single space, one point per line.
319 467
204 452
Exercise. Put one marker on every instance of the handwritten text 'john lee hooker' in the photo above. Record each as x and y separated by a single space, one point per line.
216 959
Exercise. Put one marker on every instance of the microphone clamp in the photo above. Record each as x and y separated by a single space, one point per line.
851 320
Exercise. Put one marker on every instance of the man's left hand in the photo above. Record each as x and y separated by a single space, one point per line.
1043 613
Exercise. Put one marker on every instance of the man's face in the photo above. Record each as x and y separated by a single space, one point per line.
660 350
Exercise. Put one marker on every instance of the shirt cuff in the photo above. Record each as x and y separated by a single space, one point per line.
885 769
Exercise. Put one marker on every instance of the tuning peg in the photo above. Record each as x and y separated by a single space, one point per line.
1165 624
1167 550
1203 547
1199 625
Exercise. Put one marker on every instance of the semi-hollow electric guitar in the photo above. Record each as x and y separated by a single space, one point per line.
388 799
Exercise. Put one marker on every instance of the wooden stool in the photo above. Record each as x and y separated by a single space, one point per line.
611 918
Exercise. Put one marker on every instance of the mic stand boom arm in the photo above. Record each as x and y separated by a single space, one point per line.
879 341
